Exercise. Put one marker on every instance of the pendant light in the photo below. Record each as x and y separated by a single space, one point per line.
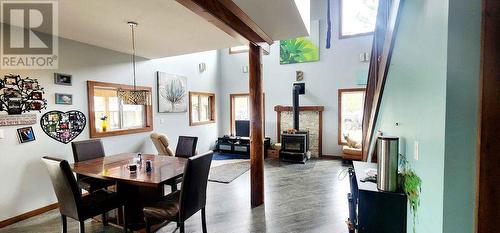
134 97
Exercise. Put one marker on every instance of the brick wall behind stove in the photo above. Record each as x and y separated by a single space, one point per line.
308 120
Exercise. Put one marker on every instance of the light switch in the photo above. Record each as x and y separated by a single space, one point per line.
2 135
162 120
415 150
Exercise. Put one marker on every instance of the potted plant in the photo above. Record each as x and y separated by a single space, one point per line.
412 187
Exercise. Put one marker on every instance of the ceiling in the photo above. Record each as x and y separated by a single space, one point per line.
167 28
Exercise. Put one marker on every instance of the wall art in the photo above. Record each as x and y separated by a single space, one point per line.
19 95
172 92
26 134
24 119
301 49
64 99
63 79
63 126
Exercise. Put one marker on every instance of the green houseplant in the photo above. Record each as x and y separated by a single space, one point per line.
412 186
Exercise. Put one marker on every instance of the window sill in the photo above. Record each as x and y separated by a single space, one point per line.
201 123
94 134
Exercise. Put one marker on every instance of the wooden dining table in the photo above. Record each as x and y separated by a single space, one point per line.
137 189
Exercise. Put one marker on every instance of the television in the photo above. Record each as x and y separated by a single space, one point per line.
242 128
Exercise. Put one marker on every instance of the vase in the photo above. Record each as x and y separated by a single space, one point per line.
104 125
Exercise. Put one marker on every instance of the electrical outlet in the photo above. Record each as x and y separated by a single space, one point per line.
415 150
162 120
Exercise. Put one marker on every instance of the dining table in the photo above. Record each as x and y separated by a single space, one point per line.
137 189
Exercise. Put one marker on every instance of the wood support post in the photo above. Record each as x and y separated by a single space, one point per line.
256 126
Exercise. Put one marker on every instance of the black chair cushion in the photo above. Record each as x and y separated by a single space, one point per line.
91 184
99 202
166 209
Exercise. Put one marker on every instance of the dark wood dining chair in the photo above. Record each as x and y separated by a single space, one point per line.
87 150
186 147
181 205
70 201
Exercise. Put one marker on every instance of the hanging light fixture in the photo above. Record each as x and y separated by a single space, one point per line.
134 97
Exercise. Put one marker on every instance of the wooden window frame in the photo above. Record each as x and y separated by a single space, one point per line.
339 99
231 110
342 36
212 108
231 51
90 100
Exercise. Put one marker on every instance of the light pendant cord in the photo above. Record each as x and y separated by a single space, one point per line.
133 49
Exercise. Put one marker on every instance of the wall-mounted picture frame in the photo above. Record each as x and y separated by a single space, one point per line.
63 79
64 99
10 80
26 134
172 93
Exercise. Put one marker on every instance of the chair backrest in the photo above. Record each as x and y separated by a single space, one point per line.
194 184
186 146
87 149
65 186
161 143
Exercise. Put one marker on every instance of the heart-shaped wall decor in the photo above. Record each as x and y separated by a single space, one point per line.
63 126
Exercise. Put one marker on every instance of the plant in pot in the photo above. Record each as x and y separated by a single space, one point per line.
411 186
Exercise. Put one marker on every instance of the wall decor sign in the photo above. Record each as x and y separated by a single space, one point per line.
63 126
301 49
24 119
19 95
63 79
172 92
26 134
64 99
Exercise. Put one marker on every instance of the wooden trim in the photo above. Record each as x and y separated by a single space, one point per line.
256 126
27 215
211 97
341 36
488 191
339 98
390 37
90 101
228 17
320 109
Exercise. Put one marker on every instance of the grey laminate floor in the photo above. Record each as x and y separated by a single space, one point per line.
299 198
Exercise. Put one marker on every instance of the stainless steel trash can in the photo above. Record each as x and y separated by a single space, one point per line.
387 172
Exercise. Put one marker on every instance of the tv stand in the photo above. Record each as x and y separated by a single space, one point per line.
239 145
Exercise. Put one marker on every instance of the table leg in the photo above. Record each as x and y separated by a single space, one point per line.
136 198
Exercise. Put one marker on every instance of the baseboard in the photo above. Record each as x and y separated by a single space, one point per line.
332 157
27 215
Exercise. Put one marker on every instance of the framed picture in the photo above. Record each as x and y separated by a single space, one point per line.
26 134
15 106
36 95
301 49
35 105
172 93
10 80
64 99
63 79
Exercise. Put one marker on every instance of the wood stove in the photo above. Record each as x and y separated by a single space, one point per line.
295 145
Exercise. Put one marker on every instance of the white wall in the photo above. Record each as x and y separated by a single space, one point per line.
24 178
339 67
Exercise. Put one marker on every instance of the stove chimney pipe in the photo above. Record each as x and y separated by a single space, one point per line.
298 89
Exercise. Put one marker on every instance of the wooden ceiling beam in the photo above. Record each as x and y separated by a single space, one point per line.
228 17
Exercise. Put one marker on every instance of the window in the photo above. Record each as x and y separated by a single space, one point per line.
357 17
201 108
351 103
238 49
240 109
108 115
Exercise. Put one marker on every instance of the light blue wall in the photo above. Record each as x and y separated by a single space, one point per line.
464 39
415 97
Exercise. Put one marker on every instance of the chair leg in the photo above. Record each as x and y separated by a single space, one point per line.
124 220
148 225
203 220
104 219
82 226
64 224
182 227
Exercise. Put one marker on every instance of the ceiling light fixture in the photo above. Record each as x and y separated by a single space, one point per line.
134 97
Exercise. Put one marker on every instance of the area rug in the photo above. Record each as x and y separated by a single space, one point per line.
228 172
227 156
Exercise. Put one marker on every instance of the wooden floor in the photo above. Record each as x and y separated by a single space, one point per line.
299 198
